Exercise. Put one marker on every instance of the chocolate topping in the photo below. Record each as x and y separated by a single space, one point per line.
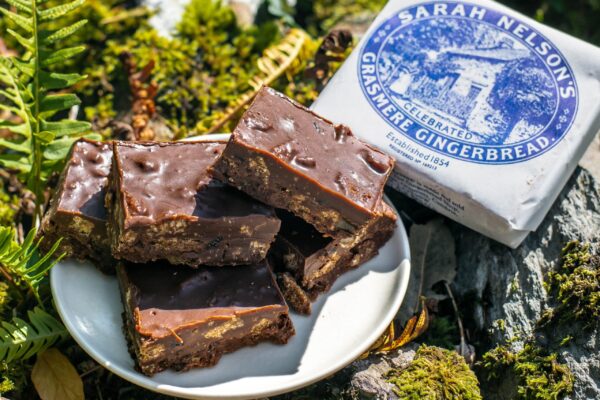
166 298
84 185
77 214
170 180
315 148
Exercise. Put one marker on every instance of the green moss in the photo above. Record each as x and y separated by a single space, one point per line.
175 64
514 285
538 375
575 287
436 373
9 206
5 300
14 377
199 72
326 14
202 70
6 385
500 324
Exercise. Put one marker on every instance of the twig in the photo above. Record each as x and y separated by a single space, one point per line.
463 342
90 371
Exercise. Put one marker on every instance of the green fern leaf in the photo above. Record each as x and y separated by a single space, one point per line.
59 11
61 55
66 127
27 68
15 162
24 23
19 129
65 32
20 340
21 6
27 43
54 80
23 3
9 94
13 145
59 149
8 108
23 262
13 87
58 102
45 136
30 85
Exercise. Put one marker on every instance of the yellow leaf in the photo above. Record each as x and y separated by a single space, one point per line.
55 378
414 328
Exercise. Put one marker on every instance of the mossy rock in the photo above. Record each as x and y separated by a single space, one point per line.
436 374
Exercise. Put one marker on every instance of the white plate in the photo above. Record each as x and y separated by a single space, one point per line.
344 323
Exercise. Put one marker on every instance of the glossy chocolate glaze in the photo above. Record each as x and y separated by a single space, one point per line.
85 180
164 298
77 213
315 148
171 180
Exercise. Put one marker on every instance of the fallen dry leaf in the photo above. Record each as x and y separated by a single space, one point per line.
433 260
415 327
55 378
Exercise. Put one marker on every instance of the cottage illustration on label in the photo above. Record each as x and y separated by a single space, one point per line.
469 82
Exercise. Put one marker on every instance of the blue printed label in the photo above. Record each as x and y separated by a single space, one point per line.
469 82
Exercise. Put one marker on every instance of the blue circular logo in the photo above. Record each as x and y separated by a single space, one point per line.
469 82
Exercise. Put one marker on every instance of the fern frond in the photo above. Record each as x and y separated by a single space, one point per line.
23 22
15 92
25 67
65 32
276 61
20 5
26 43
15 145
20 340
54 80
61 55
15 162
28 88
23 262
59 11
57 102
65 127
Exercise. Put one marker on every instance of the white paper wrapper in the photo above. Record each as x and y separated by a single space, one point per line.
486 111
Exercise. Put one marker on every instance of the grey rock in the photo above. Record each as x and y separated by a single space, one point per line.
369 375
497 283
591 158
